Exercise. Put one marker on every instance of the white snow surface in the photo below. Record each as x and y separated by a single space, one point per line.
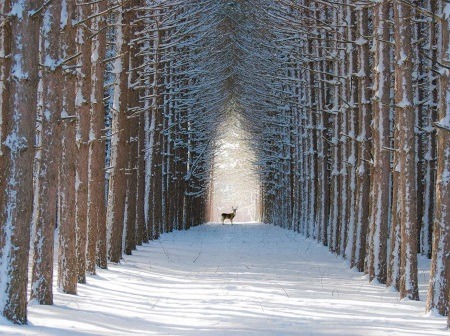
241 279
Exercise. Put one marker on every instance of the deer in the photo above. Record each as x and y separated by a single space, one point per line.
229 216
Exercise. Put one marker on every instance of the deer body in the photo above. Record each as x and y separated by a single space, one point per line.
229 216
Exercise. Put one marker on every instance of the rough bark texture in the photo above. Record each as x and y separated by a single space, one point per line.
67 261
406 150
45 216
363 148
96 207
440 263
133 145
119 141
18 126
82 108
5 68
380 181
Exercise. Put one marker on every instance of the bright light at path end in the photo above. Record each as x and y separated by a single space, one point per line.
235 182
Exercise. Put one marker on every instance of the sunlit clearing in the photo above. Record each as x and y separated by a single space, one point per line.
234 180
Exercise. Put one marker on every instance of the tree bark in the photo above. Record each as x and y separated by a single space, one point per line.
47 192
18 127
96 209
120 135
82 108
406 150
357 53
5 68
133 120
67 263
335 211
380 180
438 291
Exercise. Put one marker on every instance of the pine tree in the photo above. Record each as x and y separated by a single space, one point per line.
440 263
18 132
96 208
405 121
120 136
67 263
47 192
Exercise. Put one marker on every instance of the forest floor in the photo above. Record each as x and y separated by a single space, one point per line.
242 279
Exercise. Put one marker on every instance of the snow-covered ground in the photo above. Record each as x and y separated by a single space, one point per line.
247 279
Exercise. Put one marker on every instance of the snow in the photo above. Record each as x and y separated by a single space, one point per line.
360 41
404 103
18 9
17 70
447 11
15 142
242 279
64 14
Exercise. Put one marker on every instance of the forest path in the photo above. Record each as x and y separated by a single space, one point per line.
242 279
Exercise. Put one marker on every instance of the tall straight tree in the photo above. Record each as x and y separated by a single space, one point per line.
356 54
45 217
67 266
18 126
5 68
96 208
155 128
438 293
5 64
133 113
380 179
323 137
335 210
405 118
82 109
427 100
347 65
120 137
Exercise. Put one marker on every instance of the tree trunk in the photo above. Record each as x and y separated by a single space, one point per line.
428 97
120 129
380 180
67 265
357 53
5 68
440 263
141 225
45 217
82 108
334 231
96 209
133 146
18 127
406 150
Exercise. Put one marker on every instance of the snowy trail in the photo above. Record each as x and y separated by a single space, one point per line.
245 279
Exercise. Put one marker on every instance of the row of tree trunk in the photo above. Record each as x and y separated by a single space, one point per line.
109 111
358 155
100 147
